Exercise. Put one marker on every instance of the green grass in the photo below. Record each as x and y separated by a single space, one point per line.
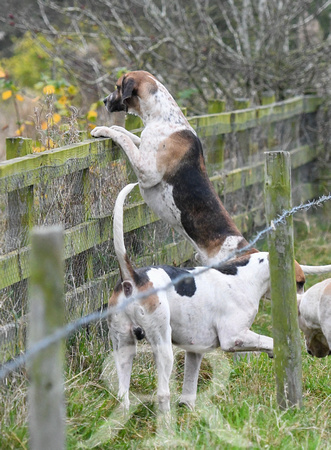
236 405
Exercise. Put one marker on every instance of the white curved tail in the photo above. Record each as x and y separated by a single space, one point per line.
315 270
123 260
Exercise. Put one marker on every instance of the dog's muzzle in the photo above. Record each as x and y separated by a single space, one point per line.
113 103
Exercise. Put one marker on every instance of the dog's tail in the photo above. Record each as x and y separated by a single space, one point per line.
126 269
315 270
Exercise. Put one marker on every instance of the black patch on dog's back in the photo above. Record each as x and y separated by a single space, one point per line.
186 286
231 268
203 216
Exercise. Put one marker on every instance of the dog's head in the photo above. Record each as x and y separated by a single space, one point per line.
316 344
131 89
299 278
315 341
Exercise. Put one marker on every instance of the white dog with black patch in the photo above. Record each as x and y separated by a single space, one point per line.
201 312
314 308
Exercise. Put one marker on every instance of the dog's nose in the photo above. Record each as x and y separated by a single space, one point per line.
105 100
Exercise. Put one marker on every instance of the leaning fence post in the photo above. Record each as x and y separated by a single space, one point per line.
46 299
286 335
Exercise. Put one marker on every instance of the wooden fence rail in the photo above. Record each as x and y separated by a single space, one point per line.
234 143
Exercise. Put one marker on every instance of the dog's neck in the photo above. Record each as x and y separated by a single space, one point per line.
162 105
257 274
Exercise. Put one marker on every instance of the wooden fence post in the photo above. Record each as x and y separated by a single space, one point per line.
286 335
20 221
20 202
215 154
46 295
245 149
267 98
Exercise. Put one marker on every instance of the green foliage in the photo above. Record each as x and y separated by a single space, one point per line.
29 60
32 78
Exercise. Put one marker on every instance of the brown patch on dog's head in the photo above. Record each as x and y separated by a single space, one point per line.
299 277
129 88
151 302
135 85
113 301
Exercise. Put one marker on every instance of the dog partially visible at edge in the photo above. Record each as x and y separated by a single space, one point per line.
169 163
212 309
314 309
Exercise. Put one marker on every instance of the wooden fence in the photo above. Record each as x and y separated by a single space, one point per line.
76 186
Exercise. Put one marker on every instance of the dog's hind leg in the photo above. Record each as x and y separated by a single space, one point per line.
163 356
191 374
244 341
124 350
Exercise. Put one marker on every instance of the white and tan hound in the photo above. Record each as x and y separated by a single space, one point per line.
314 308
169 163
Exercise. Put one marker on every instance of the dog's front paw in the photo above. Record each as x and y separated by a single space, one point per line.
118 128
101 132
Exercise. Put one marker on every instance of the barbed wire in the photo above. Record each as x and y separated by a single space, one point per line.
70 328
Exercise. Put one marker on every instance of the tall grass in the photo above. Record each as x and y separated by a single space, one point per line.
236 405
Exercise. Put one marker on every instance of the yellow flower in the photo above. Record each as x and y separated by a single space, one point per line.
38 149
20 130
2 73
56 118
44 125
62 100
51 143
92 115
49 89
6 95
19 97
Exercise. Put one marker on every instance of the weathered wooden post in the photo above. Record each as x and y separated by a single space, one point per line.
20 202
267 98
46 298
215 154
20 221
243 137
286 335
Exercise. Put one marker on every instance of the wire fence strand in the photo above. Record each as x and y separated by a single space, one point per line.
73 326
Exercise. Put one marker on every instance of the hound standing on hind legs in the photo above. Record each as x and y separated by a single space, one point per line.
169 164
204 311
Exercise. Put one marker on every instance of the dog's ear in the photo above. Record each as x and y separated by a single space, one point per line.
127 288
129 85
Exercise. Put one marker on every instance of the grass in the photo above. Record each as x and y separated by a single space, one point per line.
236 405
